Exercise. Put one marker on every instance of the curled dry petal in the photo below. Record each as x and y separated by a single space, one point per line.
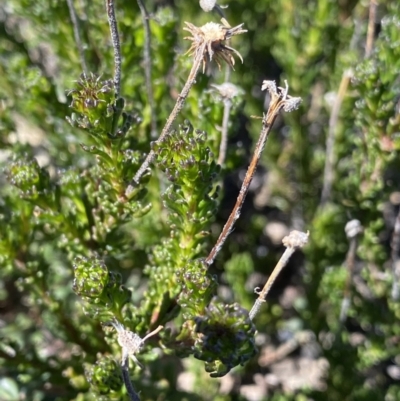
280 96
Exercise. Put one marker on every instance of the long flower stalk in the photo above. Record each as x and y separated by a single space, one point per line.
148 66
296 239
77 35
207 43
112 21
279 100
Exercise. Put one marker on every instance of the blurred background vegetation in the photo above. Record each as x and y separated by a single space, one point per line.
330 329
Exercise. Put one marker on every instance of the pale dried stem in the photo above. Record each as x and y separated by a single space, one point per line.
198 59
373 4
350 262
395 244
112 21
77 36
295 240
353 229
334 117
224 132
299 339
278 268
152 333
225 119
148 67
330 140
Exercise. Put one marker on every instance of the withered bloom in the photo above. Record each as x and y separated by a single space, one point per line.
208 42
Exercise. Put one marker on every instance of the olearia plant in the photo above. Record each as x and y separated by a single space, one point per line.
141 223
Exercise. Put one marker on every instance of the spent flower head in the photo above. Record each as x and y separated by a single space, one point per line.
130 342
227 90
207 42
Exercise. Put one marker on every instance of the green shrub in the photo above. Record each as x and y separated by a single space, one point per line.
112 206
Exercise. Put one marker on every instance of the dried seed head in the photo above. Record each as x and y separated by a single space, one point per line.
128 340
296 239
353 228
207 42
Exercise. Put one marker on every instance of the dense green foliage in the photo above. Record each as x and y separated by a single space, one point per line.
77 253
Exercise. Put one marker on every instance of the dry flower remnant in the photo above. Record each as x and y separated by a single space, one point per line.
208 42
211 5
227 91
130 342
207 5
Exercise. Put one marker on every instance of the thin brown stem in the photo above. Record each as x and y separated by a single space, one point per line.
296 239
77 36
148 67
330 140
112 21
373 4
279 100
198 59
235 214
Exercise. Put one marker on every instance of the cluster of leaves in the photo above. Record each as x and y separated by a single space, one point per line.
73 233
